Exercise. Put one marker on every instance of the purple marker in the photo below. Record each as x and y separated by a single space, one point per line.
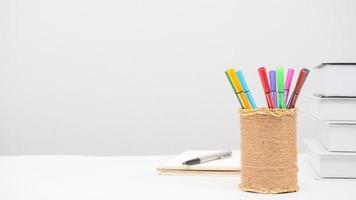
288 83
272 85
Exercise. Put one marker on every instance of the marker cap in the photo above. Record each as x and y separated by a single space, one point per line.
301 79
263 75
280 79
272 79
289 78
242 81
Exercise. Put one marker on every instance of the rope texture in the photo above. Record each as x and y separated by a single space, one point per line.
268 150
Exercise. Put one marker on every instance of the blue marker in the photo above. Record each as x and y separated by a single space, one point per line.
245 88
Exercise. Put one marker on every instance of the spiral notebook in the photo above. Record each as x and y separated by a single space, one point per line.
174 166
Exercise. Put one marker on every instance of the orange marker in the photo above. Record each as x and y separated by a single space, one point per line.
237 85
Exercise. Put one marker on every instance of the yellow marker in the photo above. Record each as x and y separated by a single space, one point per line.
237 85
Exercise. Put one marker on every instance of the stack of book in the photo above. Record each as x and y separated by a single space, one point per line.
333 117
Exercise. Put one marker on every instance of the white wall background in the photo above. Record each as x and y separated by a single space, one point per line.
147 77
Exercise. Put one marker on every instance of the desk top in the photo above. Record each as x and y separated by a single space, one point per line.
135 177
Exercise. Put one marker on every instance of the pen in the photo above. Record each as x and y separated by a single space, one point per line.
208 158
272 83
303 74
236 83
247 92
264 80
228 77
289 79
280 86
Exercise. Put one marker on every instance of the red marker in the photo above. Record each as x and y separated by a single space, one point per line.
266 88
303 74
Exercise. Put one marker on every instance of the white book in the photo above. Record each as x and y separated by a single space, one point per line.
333 108
335 79
330 164
338 136
174 166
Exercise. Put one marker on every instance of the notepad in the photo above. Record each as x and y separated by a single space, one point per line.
174 166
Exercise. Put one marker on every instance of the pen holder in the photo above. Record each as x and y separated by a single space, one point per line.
268 150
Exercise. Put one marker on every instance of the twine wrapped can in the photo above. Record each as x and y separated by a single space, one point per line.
268 150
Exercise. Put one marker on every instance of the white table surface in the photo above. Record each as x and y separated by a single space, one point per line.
135 177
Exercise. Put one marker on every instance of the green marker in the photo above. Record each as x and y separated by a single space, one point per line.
280 86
